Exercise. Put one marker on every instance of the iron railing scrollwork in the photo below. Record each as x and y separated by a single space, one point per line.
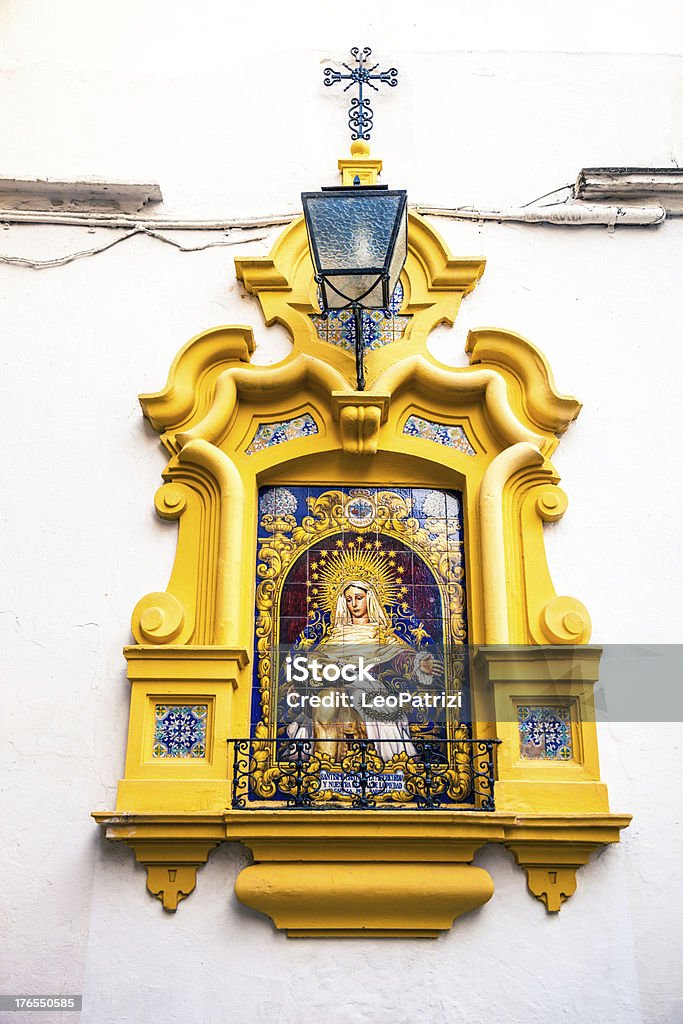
294 773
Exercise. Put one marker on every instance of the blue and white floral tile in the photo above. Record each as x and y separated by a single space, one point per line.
449 435
545 732
269 434
180 730
282 501
380 326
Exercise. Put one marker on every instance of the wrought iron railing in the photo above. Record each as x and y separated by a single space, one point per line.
297 773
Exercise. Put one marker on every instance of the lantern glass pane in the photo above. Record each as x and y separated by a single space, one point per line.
352 231
400 252
353 288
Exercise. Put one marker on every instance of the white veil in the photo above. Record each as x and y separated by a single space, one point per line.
376 613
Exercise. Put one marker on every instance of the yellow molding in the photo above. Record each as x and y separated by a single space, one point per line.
260 382
361 166
229 626
171 847
434 285
443 271
212 661
493 539
375 872
204 352
528 373
428 378
354 873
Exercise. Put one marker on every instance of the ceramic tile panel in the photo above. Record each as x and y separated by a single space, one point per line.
380 326
545 732
269 434
449 435
180 730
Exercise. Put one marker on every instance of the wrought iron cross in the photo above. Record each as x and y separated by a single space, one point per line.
360 111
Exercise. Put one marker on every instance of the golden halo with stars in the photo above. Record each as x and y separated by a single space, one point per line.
333 570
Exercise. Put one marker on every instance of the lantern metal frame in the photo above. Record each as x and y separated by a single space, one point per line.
381 274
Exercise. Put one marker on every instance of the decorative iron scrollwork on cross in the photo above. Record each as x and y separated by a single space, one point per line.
360 112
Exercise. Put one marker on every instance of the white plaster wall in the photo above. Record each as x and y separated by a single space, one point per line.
223 106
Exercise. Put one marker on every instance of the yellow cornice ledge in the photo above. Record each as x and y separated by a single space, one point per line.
359 873
391 874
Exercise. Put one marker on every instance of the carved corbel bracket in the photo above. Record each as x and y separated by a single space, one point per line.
172 882
170 847
552 851
551 868
360 415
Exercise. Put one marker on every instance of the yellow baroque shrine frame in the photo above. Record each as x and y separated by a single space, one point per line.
239 438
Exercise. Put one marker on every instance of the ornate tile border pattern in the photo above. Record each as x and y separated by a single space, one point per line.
545 732
269 434
180 730
442 433
380 326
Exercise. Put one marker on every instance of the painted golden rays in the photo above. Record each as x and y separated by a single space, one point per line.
332 573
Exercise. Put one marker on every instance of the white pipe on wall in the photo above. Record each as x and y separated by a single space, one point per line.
567 214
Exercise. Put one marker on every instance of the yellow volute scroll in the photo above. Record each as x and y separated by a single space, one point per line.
351 872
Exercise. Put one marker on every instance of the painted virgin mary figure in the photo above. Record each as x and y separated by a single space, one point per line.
358 624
